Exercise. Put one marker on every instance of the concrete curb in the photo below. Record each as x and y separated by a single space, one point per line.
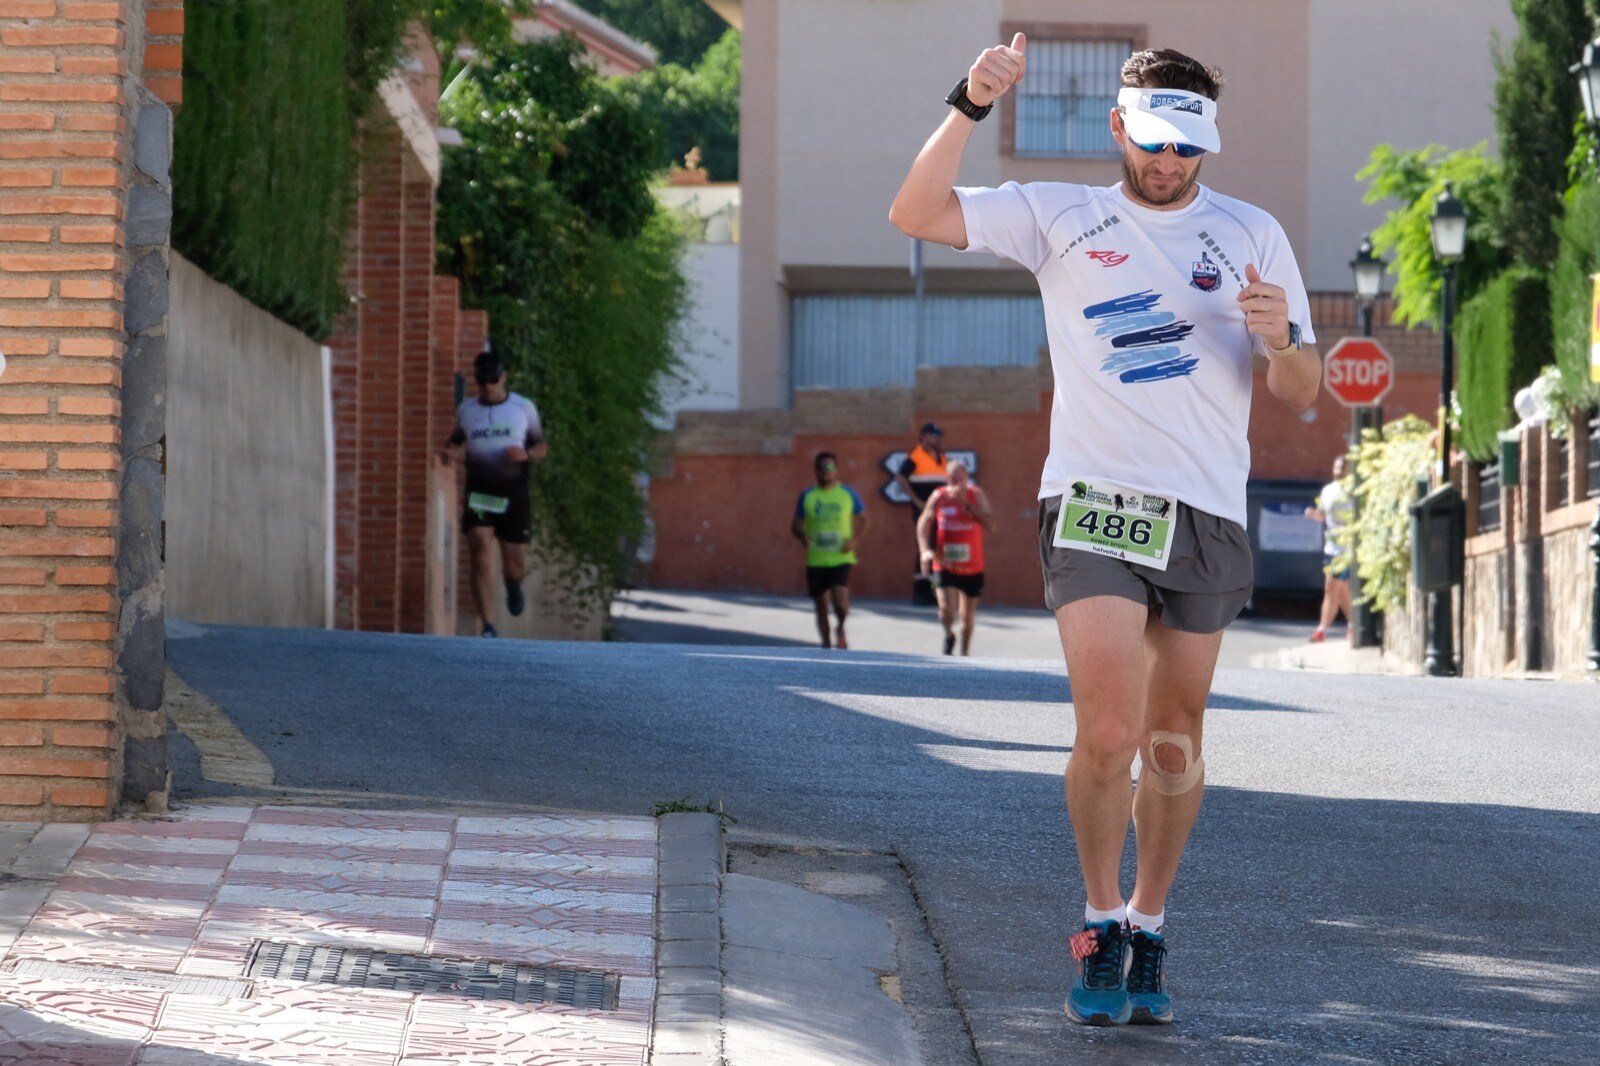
688 1009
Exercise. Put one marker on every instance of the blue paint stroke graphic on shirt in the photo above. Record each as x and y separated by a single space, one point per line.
1144 338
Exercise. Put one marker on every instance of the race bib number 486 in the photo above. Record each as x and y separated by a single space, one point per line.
1111 520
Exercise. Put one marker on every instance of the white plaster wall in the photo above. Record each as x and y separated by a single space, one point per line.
1409 73
247 462
710 346
861 86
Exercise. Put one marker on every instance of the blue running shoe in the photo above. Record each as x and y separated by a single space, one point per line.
1100 995
1147 992
515 600
489 630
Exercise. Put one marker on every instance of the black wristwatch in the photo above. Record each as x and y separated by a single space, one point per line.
958 100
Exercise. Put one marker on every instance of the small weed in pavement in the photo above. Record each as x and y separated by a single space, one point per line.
687 806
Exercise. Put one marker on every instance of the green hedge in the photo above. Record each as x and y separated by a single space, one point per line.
1502 334
1572 294
265 157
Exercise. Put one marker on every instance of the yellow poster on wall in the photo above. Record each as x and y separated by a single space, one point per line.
1594 335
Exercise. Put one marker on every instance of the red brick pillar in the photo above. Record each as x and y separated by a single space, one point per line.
71 99
382 337
415 441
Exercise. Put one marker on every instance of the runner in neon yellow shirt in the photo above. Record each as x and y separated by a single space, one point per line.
827 519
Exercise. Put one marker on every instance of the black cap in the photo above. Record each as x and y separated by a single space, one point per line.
930 427
487 368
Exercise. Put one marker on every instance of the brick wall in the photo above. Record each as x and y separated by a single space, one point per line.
724 467
68 78
394 362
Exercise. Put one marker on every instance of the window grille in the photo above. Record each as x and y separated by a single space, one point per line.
1064 104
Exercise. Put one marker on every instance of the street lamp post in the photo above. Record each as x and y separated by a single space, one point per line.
1449 231
1368 269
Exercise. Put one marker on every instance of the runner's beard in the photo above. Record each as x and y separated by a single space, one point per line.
1130 181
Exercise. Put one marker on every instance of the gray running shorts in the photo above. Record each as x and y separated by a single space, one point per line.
1207 582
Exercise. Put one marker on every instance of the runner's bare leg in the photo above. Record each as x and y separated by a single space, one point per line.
1108 667
947 607
969 620
841 608
821 603
480 545
1181 669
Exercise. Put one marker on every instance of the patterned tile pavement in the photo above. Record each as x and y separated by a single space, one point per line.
182 899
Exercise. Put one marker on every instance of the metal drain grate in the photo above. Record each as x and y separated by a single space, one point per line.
481 979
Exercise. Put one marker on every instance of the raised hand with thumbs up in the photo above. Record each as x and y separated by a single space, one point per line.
997 70
1266 310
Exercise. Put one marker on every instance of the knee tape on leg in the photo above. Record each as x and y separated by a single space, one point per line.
1165 781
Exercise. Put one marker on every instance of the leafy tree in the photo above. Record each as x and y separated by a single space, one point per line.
1384 474
1535 102
1414 180
546 217
679 30
695 106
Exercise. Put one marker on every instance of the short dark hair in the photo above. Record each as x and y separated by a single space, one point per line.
487 368
821 456
1166 68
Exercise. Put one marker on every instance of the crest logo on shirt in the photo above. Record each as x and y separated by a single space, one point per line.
1207 275
1108 258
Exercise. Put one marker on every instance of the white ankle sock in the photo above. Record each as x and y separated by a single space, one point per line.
1150 923
1091 916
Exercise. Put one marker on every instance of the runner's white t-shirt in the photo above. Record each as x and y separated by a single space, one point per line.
1147 339
489 429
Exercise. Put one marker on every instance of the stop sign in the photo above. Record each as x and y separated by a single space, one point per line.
1358 371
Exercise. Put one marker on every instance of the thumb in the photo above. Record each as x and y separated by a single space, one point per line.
1251 274
1020 42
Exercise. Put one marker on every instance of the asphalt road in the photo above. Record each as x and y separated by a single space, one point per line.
1386 869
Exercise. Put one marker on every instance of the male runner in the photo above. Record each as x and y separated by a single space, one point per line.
920 473
1335 510
950 535
1157 292
828 518
501 433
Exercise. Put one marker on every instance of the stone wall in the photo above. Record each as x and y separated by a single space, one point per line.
1529 586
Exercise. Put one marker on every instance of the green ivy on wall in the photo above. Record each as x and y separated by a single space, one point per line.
265 147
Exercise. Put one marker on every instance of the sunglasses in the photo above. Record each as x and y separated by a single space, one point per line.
1184 151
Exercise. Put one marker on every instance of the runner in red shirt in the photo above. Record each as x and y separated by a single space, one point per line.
950 534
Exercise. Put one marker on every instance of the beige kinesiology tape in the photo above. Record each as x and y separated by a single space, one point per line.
1165 781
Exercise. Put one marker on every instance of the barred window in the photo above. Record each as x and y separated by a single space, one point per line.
1064 102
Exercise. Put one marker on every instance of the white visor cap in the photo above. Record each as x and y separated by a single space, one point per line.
1170 116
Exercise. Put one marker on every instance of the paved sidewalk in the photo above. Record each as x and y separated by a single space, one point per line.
130 943
228 935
